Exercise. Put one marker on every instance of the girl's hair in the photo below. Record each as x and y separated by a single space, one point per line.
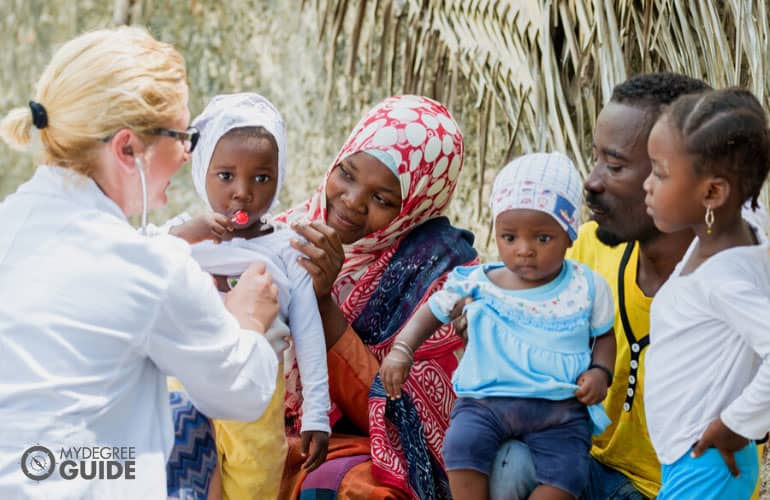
96 84
726 132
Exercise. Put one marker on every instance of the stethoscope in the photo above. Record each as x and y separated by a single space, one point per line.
240 217
143 180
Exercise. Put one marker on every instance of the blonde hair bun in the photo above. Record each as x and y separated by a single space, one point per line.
15 128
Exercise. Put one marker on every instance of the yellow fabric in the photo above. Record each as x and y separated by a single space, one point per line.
174 385
252 454
624 445
760 449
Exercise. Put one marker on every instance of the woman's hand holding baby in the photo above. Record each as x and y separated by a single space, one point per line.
459 320
323 252
209 226
254 300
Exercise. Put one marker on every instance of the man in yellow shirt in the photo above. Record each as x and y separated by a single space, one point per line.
622 244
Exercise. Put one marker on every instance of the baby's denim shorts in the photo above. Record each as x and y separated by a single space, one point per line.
558 434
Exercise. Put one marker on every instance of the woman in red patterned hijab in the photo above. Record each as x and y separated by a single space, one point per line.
378 246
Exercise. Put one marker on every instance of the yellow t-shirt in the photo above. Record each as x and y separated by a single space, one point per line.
624 445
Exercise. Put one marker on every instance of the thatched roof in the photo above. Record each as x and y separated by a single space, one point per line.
546 67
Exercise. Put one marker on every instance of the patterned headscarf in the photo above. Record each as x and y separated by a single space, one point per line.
426 147
230 111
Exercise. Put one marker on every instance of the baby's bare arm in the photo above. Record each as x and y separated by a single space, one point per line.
396 365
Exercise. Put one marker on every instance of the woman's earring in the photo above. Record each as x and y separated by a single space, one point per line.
709 219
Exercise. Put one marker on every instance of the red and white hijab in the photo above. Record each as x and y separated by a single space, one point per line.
427 150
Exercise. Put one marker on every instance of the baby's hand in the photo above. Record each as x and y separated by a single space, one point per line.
592 386
209 226
394 371
317 443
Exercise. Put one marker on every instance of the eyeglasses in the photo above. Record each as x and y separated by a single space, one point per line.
188 137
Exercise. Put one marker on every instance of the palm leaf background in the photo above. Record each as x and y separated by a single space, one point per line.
540 71
518 76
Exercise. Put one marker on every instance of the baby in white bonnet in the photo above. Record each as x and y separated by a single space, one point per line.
238 168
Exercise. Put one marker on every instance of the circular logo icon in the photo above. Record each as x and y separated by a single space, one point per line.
37 463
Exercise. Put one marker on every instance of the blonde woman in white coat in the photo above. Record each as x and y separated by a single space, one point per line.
94 315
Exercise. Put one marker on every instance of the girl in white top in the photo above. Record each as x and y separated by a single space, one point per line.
238 170
707 388
94 316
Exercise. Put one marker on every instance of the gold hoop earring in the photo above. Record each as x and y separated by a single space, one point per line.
709 219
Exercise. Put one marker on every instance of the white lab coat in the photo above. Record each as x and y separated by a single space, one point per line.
93 318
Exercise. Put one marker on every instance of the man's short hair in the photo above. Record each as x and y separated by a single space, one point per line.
653 91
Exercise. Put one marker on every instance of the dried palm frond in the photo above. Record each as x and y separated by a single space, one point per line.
518 75
539 72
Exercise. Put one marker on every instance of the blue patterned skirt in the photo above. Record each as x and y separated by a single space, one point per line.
194 456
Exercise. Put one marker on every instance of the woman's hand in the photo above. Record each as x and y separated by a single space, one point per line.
323 258
254 300
209 226
323 252
718 435
459 321
394 371
315 444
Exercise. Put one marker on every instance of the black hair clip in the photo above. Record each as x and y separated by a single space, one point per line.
39 116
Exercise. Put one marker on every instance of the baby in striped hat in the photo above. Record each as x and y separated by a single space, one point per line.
541 349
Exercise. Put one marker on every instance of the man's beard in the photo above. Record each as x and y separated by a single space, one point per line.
613 239
608 238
